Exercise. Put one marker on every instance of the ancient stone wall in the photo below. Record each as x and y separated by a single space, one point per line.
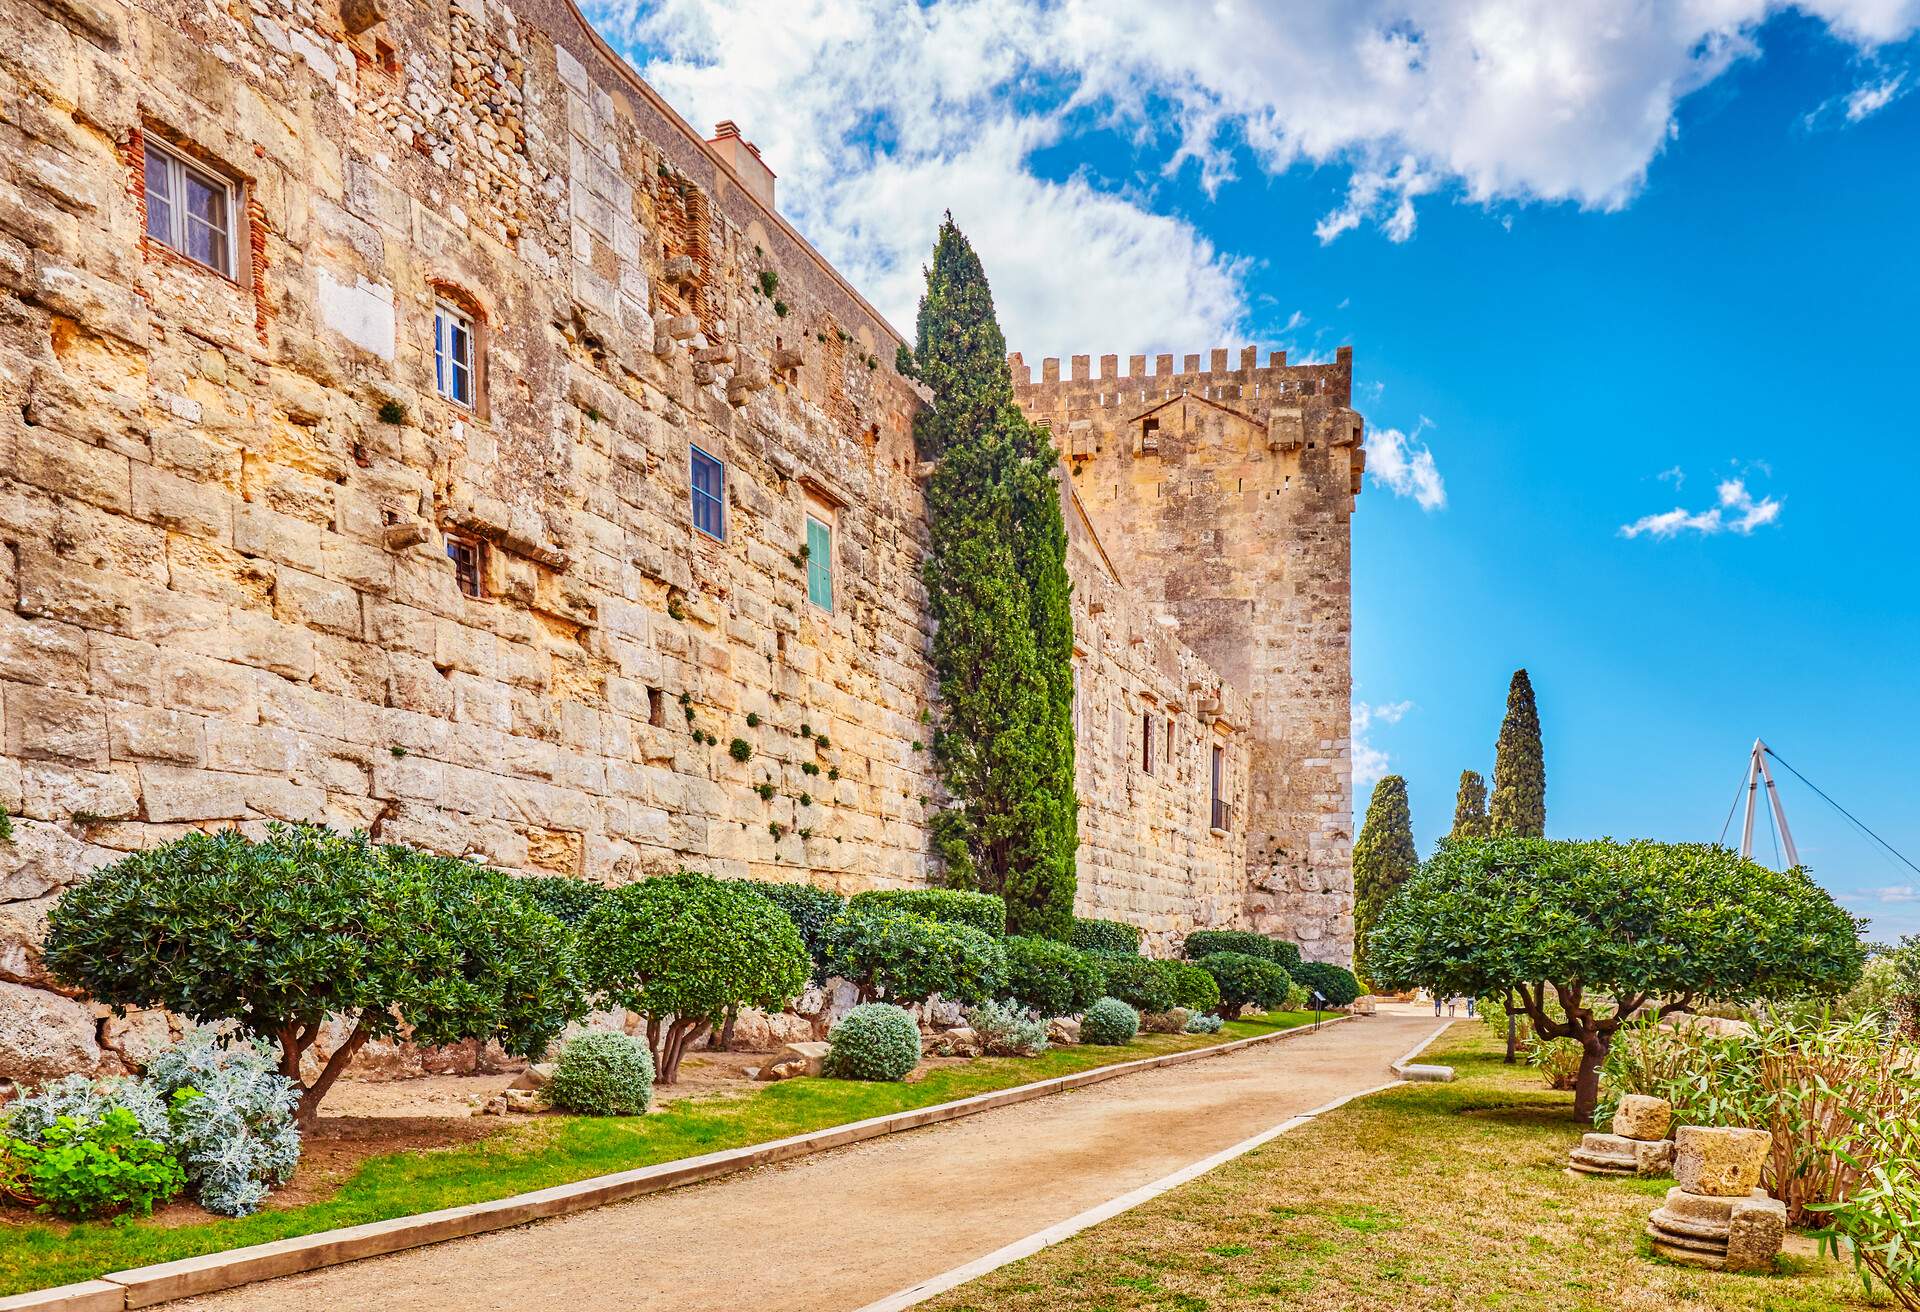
228 495
1225 496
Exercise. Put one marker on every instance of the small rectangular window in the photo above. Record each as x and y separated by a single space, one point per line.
464 552
1221 812
819 563
453 355
190 210
656 707
1169 752
709 495
1146 742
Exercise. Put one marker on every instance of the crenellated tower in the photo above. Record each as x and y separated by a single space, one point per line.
1225 495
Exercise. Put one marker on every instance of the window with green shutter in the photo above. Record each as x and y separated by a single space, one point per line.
819 563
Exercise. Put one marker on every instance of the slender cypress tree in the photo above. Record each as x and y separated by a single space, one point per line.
1383 859
1519 768
997 586
1470 808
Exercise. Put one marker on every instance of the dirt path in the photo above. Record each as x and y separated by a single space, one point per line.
836 1231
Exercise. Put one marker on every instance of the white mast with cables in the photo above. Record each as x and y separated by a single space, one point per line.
1757 773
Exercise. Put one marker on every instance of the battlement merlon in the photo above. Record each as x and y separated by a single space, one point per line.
1275 379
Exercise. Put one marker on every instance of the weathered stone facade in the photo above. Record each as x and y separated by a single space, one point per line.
1224 496
227 495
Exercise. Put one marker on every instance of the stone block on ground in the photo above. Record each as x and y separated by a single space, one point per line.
1719 1161
961 1042
1613 1154
1642 1117
1063 1029
1699 1229
810 1054
1755 1232
535 1076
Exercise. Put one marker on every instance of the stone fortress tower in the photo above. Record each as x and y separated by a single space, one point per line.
409 423
1224 496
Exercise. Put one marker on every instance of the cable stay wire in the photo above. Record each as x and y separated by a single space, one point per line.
1855 820
1722 840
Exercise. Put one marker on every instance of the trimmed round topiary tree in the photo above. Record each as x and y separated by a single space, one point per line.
874 1041
984 911
1109 1022
1246 981
281 935
1141 983
682 950
1049 977
1336 984
601 1073
1193 987
809 908
905 958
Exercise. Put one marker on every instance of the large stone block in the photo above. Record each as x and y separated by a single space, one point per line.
44 1036
1719 1161
1756 1231
1642 1117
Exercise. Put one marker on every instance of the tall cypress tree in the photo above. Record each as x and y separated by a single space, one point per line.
997 586
1519 767
1470 808
1383 858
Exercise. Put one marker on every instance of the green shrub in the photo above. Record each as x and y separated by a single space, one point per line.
233 1126
1049 977
1245 981
874 1041
1299 997
685 949
1109 1022
1284 953
278 935
1878 1222
1106 936
1203 1022
566 898
601 1073
93 1168
905 958
1142 984
809 908
983 911
1557 1060
1335 983
1004 1032
1193 987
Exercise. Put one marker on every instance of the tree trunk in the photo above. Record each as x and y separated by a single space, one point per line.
1586 1089
310 1100
1513 1031
682 1032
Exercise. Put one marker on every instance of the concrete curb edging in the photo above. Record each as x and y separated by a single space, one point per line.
165 1281
934 1286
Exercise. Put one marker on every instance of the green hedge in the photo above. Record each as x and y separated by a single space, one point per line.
1049 977
983 911
905 958
1142 984
1106 936
809 908
1193 987
566 898
1335 983
1246 980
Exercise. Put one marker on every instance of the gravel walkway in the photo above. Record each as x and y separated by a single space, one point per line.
833 1232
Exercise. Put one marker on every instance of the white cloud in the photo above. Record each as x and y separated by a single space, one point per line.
880 114
1736 512
1404 465
1676 476
1873 97
1895 894
1369 762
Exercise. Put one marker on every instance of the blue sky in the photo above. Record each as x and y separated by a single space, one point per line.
1602 267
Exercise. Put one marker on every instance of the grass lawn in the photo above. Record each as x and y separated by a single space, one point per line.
553 1150
1425 1197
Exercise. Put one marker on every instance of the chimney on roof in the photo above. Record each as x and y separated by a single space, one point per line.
743 157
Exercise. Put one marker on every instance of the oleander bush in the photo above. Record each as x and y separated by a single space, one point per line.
1557 1060
1110 1022
874 1041
1336 984
809 908
601 1073
983 911
1143 984
1193 987
897 957
234 1126
280 935
1245 981
1050 977
1112 937
685 949
1878 1221
81 1169
1005 1032
1204 1022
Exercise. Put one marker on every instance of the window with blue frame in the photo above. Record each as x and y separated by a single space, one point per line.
453 355
820 563
709 495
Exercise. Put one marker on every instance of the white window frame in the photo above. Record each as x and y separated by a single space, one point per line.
177 169
445 315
